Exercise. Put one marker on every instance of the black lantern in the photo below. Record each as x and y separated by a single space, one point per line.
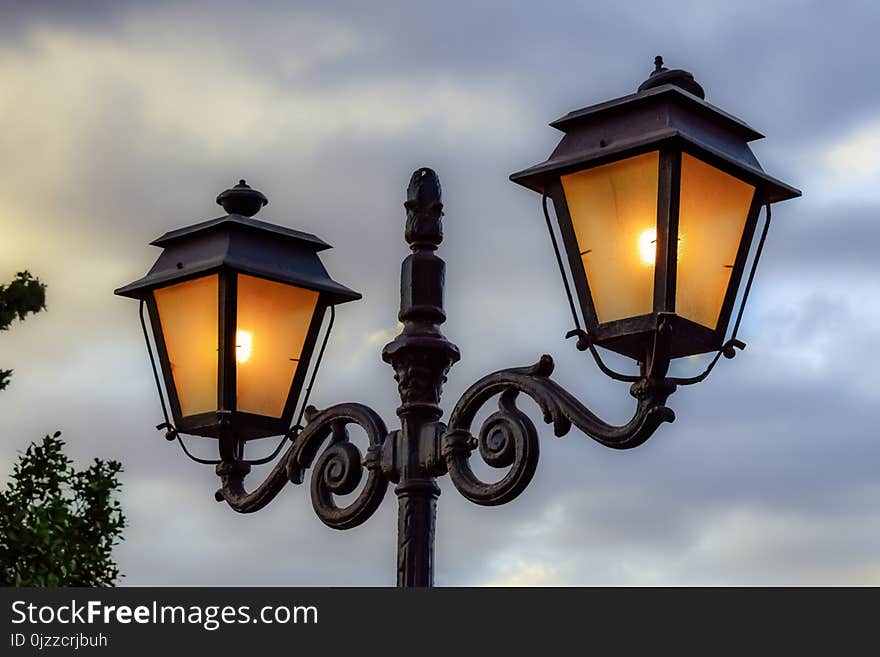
236 306
657 196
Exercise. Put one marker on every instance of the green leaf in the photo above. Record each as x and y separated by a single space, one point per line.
58 525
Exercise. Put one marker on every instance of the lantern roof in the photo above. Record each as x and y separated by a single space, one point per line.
241 243
669 108
668 92
316 243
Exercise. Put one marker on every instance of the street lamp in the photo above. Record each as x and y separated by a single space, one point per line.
657 196
237 305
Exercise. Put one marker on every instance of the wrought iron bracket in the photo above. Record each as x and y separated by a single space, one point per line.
337 471
508 438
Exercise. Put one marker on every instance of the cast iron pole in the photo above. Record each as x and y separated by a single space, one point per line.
421 356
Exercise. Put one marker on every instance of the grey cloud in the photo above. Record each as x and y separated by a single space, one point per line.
104 157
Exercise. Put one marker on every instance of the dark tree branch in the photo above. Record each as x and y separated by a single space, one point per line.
23 296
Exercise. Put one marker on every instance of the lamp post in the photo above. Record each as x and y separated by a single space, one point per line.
657 198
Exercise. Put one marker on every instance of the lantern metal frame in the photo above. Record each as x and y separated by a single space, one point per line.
670 116
424 448
229 246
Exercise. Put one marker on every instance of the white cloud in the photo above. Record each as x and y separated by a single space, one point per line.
383 336
854 158
202 94
844 168
525 573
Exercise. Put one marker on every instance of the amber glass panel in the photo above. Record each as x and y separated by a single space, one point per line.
713 210
614 211
273 320
188 314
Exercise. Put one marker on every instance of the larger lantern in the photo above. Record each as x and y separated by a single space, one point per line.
236 306
657 195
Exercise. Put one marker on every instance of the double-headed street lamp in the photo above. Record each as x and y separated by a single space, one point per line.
657 199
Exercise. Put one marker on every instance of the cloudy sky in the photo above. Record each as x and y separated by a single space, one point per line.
123 120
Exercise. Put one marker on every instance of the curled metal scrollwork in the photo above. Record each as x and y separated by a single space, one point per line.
508 437
337 471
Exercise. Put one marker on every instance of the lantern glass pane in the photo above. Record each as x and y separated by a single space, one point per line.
613 208
273 321
713 209
188 314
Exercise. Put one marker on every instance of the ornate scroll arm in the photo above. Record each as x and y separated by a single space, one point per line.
508 437
338 469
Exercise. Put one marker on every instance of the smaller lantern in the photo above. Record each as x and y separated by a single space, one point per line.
236 306
657 195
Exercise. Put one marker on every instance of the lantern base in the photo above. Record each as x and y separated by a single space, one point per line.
634 336
245 426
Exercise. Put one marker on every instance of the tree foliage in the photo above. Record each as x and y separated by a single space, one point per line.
24 295
58 525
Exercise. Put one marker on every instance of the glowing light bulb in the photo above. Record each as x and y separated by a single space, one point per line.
647 244
244 345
